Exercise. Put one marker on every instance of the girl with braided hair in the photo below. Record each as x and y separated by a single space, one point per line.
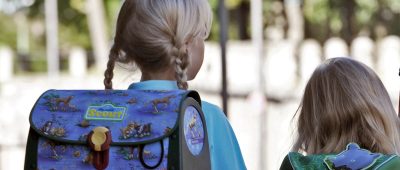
165 39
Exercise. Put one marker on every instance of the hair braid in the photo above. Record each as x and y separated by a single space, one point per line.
123 18
109 73
181 62
152 34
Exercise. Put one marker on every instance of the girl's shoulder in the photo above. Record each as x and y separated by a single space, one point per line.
353 157
209 108
214 116
298 161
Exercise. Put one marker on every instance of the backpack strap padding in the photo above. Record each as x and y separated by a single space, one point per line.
31 150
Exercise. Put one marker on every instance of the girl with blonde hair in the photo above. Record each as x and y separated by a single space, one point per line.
165 39
346 120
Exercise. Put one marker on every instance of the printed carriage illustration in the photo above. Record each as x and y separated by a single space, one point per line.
136 130
98 129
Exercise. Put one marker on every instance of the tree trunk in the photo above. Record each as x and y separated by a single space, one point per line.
98 34
295 20
53 58
243 12
347 15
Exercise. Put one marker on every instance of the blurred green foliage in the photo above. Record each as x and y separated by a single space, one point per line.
73 26
8 35
323 19
374 18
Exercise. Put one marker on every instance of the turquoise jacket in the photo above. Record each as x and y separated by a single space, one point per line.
224 148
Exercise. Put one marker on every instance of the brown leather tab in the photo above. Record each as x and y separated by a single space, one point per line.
99 140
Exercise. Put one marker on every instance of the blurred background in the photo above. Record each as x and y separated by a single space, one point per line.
271 48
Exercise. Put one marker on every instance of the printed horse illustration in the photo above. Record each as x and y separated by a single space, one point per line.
63 104
192 126
165 101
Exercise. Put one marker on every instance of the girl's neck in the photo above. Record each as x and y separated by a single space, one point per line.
163 75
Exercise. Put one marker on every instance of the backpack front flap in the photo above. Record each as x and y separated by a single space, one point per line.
63 120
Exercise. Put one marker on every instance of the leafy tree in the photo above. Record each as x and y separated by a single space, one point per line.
349 18
7 32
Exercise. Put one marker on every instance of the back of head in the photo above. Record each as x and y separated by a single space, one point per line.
345 101
153 33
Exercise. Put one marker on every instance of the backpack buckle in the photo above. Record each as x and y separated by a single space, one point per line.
99 140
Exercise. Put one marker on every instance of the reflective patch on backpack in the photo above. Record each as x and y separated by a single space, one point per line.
352 158
193 130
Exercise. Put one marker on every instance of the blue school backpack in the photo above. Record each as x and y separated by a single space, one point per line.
117 129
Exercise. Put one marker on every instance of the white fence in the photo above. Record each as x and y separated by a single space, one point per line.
286 73
284 70
6 61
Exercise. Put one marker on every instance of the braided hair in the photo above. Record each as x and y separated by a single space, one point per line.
181 61
154 35
114 55
109 73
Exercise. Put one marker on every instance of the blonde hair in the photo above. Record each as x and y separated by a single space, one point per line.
153 34
345 101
